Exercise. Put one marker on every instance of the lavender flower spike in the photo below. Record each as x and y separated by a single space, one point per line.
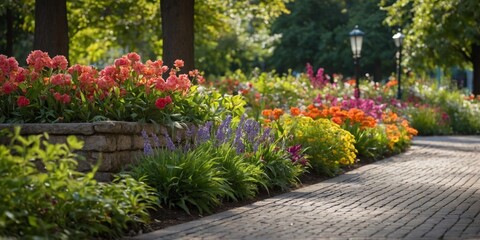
147 147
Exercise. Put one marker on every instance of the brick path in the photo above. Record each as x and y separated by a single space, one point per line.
430 192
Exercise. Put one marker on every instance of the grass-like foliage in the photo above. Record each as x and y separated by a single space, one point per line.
185 178
42 196
244 175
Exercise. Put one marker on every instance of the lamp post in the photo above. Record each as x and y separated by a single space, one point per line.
398 39
356 39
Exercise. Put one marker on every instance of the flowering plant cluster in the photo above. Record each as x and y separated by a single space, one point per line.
47 90
338 115
320 79
328 145
399 132
229 160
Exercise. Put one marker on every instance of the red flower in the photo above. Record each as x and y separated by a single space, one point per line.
162 102
23 101
8 87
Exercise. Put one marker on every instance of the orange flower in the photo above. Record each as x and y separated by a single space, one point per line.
333 110
277 112
352 82
267 113
391 83
295 111
337 120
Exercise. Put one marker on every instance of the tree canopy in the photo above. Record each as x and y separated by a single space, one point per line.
317 32
439 33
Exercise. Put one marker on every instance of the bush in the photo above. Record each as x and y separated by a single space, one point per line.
328 145
370 143
429 121
57 201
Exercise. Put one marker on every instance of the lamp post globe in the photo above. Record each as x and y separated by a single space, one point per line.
398 40
356 40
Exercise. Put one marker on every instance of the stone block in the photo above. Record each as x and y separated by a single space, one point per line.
131 127
107 127
55 128
124 142
101 143
104 159
85 162
116 161
104 176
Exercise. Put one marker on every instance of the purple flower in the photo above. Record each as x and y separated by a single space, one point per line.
240 147
147 148
238 132
170 144
266 136
224 130
155 140
203 133
296 154
252 129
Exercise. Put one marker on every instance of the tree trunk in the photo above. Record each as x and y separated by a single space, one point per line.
476 68
9 33
51 27
377 70
177 28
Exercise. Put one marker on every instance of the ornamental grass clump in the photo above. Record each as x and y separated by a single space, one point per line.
42 196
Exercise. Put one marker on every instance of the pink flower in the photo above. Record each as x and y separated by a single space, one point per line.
60 61
161 85
21 75
122 62
77 68
23 101
38 60
63 98
66 98
178 63
161 103
134 57
61 79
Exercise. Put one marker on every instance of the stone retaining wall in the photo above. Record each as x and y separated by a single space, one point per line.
116 144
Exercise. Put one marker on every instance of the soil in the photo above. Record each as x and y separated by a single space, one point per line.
164 217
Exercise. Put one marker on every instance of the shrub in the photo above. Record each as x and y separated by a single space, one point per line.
328 145
429 121
398 130
370 143
58 202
